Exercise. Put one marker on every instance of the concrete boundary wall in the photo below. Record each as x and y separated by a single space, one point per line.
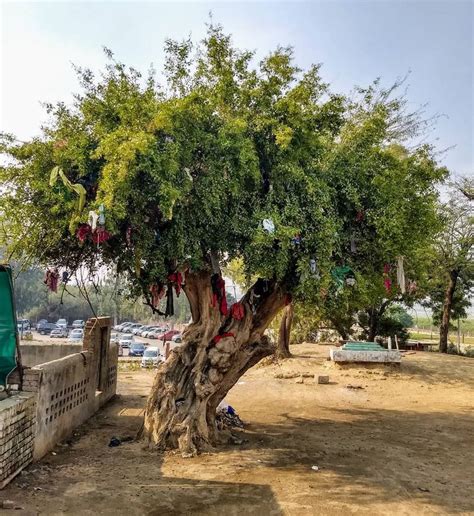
57 397
65 398
73 388
33 354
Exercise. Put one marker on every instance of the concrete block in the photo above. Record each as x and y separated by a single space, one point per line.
382 357
323 379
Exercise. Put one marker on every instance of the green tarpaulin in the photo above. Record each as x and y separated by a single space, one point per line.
8 327
362 346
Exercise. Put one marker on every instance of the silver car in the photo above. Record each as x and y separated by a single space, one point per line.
76 335
58 333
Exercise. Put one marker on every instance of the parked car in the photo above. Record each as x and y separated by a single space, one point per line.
23 325
132 327
149 333
168 335
136 349
78 323
156 330
114 337
146 331
151 357
121 326
154 334
178 338
138 329
58 333
47 328
126 340
62 323
143 330
76 335
40 323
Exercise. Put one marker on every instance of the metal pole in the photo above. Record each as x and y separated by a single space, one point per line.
459 335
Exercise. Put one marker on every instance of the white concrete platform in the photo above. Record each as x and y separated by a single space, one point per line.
381 357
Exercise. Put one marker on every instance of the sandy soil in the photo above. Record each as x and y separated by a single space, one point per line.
401 444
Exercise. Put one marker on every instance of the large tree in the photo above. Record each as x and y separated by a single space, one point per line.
228 159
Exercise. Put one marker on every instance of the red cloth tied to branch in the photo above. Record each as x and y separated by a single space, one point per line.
83 231
217 338
100 235
237 311
218 297
51 280
177 279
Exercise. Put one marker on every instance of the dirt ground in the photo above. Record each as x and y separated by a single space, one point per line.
397 441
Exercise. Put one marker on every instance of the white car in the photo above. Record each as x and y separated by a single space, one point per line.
126 340
132 327
123 327
136 331
150 329
143 331
177 338
156 332
62 323
152 357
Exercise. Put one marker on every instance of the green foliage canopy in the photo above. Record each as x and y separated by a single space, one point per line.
193 167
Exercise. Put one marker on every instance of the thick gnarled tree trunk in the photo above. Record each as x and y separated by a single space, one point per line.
181 409
283 348
446 316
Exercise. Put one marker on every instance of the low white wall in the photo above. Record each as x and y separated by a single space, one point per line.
56 397
65 398
34 353
68 396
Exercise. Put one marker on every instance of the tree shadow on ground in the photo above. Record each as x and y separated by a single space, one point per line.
385 455
85 476
368 458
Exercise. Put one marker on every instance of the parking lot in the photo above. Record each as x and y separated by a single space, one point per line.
125 357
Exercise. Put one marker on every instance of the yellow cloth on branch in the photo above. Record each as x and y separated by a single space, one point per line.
73 187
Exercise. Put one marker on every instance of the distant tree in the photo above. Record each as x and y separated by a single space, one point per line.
395 321
30 291
465 185
453 268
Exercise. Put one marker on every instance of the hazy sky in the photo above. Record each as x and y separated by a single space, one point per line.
356 42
